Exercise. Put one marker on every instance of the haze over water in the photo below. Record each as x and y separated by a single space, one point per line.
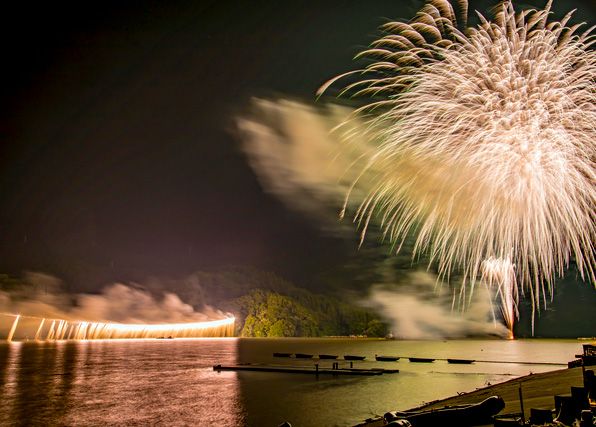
171 382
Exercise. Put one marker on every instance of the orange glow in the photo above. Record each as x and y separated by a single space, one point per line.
61 329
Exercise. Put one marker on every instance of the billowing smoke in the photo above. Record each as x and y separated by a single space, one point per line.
417 309
126 304
42 296
297 157
37 294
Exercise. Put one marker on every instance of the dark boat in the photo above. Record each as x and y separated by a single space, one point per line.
303 356
282 354
421 360
327 356
386 358
459 415
460 361
351 357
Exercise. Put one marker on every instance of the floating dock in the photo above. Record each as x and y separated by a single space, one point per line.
314 370
470 361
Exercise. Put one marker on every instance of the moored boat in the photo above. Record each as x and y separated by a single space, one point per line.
327 356
303 356
460 361
421 360
282 354
352 357
459 415
386 358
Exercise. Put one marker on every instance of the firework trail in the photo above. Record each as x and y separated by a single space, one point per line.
484 142
500 274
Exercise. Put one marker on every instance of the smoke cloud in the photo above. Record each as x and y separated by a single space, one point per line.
298 157
41 295
418 308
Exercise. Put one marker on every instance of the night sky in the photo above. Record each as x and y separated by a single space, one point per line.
118 158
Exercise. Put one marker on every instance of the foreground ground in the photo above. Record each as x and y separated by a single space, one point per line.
538 392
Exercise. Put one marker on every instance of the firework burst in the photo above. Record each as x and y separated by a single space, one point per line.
484 141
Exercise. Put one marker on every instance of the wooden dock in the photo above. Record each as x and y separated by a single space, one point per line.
311 370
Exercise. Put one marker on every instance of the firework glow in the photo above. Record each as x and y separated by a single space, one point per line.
499 275
484 144
61 329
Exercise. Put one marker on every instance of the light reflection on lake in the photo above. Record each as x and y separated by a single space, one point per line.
95 383
171 382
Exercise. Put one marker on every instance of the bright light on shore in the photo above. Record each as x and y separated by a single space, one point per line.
61 329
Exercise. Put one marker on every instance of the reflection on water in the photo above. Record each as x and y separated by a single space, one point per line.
171 382
118 383
303 400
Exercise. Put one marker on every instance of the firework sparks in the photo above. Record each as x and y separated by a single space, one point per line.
13 328
484 143
500 274
61 329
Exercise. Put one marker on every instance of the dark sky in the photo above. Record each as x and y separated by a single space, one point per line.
117 159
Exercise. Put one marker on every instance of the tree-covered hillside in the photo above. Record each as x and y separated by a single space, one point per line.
264 304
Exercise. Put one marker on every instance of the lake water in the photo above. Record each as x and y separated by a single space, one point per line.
171 382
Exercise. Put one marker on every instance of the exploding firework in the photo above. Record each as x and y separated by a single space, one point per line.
484 142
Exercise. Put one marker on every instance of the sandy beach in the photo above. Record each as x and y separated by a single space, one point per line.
538 392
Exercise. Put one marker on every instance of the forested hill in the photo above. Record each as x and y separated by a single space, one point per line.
267 305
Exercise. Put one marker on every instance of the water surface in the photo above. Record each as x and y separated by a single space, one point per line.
171 382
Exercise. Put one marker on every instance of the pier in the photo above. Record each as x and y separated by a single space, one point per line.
312 370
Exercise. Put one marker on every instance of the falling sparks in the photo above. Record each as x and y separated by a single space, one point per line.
13 328
61 329
499 274
39 329
484 144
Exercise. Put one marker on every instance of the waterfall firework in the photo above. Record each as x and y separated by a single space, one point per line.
61 329
484 143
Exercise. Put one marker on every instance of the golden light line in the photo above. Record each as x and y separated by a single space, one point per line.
167 326
61 329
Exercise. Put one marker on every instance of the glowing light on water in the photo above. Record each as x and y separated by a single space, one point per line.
13 328
484 144
39 329
99 330
500 274
61 329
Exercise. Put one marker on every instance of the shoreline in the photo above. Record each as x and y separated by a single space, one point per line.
538 391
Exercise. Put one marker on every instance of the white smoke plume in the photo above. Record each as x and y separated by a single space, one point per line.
41 296
417 309
296 156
